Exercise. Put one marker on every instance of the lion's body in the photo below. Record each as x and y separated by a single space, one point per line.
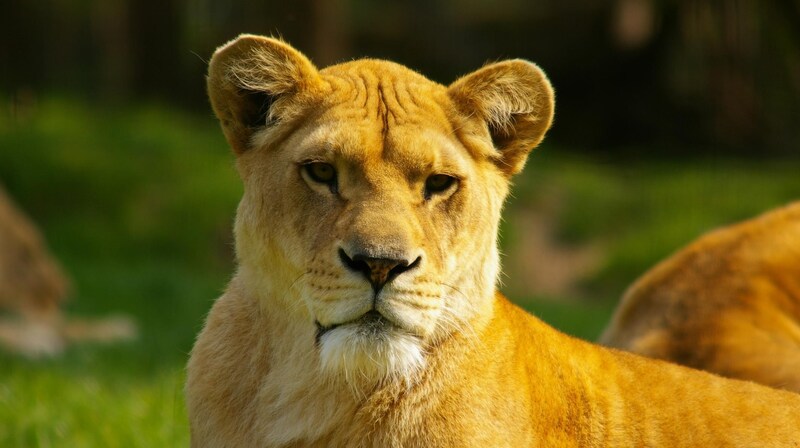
364 310
728 303
523 385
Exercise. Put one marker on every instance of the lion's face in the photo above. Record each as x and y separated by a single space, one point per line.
372 195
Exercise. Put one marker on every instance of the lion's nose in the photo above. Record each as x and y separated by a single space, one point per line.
378 271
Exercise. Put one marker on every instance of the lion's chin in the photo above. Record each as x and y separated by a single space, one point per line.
364 353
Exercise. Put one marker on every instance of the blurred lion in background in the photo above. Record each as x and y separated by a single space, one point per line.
728 303
33 287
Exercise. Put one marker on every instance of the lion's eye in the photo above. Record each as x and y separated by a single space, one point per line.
321 172
438 183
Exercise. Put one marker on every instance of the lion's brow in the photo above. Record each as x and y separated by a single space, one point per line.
390 98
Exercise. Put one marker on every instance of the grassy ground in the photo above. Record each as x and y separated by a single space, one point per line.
137 205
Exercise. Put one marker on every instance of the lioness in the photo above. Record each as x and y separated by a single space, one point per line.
728 303
364 311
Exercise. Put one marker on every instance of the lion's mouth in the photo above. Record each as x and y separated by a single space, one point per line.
371 322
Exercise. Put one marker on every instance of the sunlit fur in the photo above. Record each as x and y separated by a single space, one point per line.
300 351
728 303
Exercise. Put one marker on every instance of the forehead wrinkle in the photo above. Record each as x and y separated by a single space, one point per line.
384 88
391 109
416 135
395 113
344 90
365 95
414 103
367 86
356 103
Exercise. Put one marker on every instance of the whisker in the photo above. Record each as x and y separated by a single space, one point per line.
294 304
416 305
337 298
453 320
417 293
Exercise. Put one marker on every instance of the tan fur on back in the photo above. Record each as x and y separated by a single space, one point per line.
31 281
728 303
302 351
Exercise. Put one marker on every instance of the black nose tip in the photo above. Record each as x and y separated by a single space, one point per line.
378 271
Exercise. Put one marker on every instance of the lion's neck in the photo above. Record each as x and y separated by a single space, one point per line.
301 407
297 403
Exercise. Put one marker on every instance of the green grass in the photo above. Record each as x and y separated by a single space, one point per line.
137 205
61 404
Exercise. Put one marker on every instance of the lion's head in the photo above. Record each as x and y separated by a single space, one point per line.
372 195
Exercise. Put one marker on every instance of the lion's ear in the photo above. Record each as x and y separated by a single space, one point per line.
515 100
251 82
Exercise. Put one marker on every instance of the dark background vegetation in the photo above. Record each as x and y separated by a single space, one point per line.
682 76
672 118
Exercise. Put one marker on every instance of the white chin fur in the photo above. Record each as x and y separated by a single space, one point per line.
358 355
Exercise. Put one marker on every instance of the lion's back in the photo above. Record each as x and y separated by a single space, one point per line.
727 303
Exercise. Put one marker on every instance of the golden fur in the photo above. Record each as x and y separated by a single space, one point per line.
302 351
728 303
31 281
32 286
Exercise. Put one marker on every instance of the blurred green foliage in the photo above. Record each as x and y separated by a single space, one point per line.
141 173
137 204
643 209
